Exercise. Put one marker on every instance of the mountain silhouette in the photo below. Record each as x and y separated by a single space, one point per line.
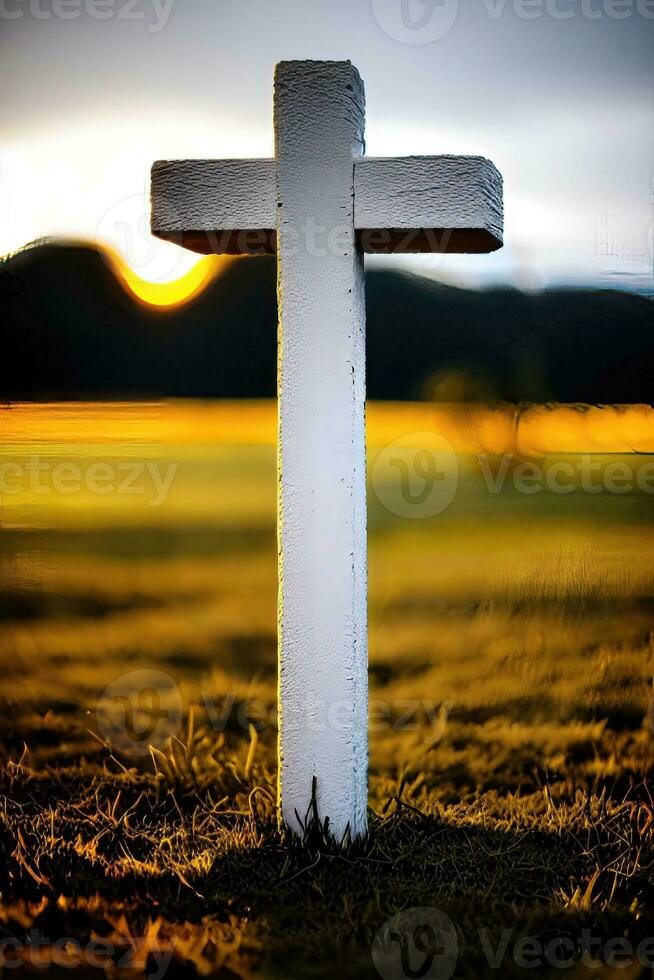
70 330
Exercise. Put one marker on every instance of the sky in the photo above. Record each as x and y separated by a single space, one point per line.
558 93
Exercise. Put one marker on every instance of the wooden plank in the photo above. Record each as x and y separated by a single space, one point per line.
401 204
428 204
217 206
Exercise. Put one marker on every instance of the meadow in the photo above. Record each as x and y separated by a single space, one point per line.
511 659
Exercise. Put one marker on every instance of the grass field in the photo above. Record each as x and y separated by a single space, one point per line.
511 655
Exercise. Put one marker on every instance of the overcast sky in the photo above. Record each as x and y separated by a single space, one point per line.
558 93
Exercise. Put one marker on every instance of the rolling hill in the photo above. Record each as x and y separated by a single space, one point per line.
69 330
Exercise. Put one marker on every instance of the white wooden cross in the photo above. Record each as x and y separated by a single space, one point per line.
320 204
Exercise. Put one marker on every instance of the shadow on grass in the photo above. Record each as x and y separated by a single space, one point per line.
202 874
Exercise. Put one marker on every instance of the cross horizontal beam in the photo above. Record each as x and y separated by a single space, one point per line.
401 204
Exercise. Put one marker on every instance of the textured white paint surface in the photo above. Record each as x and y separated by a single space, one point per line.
445 203
215 205
319 204
319 120
459 199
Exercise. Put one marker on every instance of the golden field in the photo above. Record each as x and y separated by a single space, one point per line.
511 657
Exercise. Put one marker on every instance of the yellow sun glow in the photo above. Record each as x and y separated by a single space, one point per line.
171 294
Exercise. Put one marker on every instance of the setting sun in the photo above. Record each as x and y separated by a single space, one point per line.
175 292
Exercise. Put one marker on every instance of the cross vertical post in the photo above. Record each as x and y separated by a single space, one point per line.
319 122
